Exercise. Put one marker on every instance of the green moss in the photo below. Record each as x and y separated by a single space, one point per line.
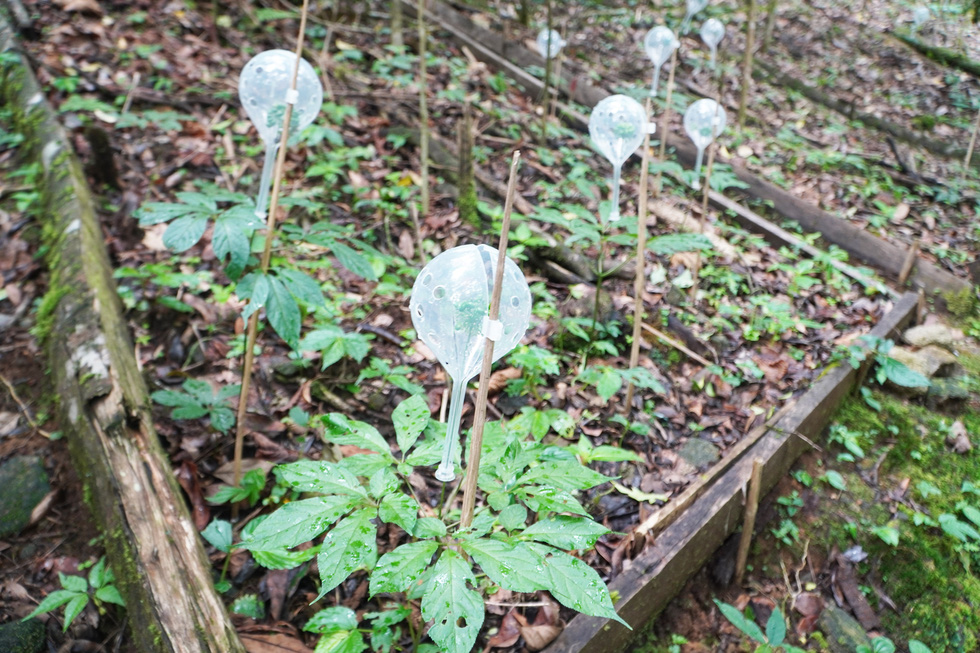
961 304
44 319
930 575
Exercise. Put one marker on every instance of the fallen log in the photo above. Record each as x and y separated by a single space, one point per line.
886 256
150 540
939 54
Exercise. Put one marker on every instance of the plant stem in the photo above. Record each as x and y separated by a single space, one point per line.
480 414
665 125
747 62
639 281
270 232
546 94
423 111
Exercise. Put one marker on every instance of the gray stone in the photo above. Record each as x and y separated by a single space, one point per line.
933 334
22 637
698 452
947 390
842 631
929 361
25 484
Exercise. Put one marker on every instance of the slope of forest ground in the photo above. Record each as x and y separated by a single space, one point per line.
149 94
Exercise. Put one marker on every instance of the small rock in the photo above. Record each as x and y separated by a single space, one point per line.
699 453
946 390
933 334
844 634
22 637
929 361
958 438
25 484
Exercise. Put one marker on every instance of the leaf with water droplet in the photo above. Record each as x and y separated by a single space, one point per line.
297 522
429 527
566 532
563 474
410 419
456 610
399 509
512 567
576 584
340 429
319 476
350 546
397 570
544 498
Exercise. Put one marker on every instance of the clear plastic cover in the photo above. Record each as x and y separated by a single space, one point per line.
659 44
693 7
919 16
704 121
617 126
449 306
552 49
712 32
263 86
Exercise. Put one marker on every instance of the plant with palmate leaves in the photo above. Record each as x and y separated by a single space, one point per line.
438 563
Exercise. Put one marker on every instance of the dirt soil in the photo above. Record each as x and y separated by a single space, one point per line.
149 93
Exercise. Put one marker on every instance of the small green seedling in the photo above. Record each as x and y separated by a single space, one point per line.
77 591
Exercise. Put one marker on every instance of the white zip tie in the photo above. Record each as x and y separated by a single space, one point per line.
651 128
292 96
493 329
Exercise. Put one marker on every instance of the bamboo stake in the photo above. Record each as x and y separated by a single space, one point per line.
751 508
704 217
973 142
665 125
480 413
747 63
546 93
423 111
270 232
639 282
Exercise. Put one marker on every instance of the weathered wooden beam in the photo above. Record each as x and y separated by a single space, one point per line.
151 542
658 574
939 54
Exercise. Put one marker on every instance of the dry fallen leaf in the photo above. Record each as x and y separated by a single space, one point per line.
510 630
84 6
499 379
538 637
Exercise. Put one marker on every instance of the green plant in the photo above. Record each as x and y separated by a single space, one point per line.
77 591
774 639
438 562
886 367
198 399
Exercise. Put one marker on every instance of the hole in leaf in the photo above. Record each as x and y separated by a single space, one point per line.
461 622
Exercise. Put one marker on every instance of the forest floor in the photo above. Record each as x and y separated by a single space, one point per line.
149 93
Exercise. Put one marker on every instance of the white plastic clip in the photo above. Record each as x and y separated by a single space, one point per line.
493 329
651 128
292 96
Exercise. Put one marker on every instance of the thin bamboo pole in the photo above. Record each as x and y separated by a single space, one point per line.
480 413
751 508
270 233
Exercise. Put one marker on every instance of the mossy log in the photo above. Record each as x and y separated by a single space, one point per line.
511 57
939 54
940 148
129 486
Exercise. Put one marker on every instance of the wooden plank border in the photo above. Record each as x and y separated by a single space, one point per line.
129 485
658 574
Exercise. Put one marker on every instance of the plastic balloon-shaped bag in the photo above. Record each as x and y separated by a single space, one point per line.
617 125
704 121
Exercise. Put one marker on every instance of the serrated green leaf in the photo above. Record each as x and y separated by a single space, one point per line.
230 237
283 559
53 601
887 534
157 212
456 611
353 261
184 232
429 527
364 464
255 288
222 419
73 608
606 453
248 605
515 567
319 476
383 482
282 311
109 594
958 529
543 498
927 489
73 583
330 619
900 374
398 570
341 641
915 646
739 620
189 412
834 480
399 509
776 628
350 546
675 243
972 514
339 429
609 383
218 535
565 474
512 517
297 522
302 286
575 584
564 532
410 418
